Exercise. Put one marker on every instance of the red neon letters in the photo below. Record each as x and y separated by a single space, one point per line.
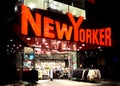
55 29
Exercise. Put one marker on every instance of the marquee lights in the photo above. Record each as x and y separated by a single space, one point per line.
43 26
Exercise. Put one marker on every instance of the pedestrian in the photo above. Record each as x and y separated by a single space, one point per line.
33 76
81 66
51 74
92 66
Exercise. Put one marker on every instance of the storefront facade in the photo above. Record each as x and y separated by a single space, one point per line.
54 38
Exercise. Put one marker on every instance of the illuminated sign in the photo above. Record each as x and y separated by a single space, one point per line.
43 26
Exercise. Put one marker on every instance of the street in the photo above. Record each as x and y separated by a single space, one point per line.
63 82
66 83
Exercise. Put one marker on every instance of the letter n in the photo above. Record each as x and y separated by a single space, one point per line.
27 16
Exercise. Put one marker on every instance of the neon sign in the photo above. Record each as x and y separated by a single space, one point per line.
43 26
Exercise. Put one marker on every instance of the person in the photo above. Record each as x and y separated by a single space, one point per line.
81 65
51 74
33 76
25 74
92 66
80 71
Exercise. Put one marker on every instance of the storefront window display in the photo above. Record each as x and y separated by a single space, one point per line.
28 60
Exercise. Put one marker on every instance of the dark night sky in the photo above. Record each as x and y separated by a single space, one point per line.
106 12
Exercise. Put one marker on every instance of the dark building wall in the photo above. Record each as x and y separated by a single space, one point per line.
7 62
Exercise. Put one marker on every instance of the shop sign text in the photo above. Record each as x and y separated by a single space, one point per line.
57 30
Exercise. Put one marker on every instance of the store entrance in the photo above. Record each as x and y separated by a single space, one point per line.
59 63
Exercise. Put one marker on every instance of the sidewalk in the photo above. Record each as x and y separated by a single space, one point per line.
16 84
19 84
110 82
103 82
